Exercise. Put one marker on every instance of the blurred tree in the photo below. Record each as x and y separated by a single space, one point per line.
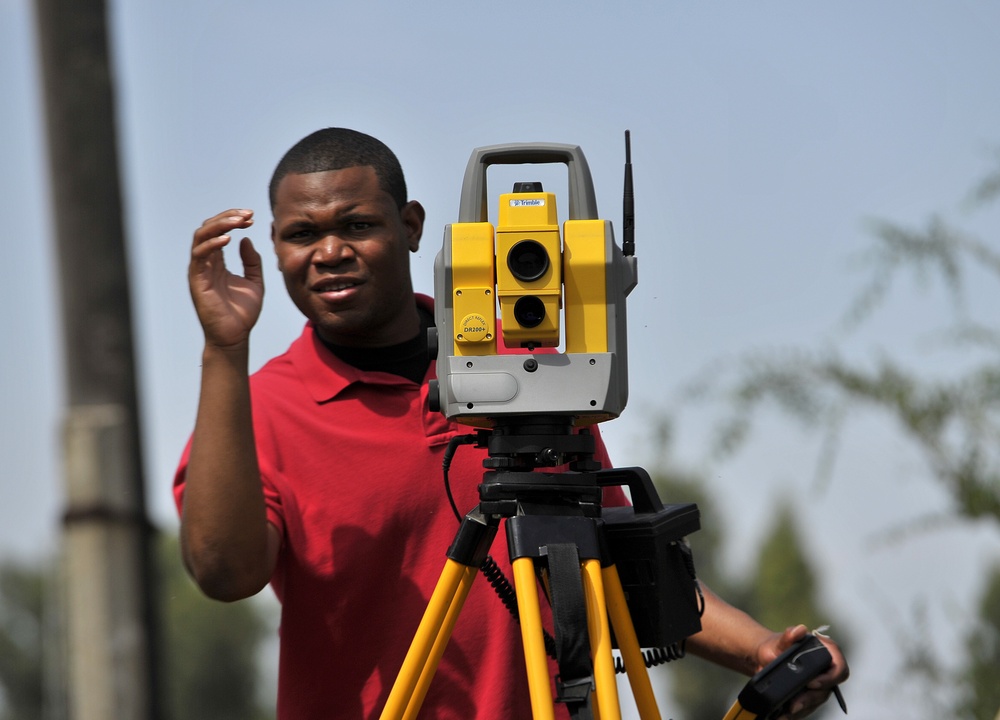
979 679
22 603
785 588
781 589
951 416
212 649
953 421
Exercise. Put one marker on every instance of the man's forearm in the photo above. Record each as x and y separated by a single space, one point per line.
224 529
729 637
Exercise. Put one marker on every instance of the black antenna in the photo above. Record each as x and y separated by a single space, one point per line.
628 201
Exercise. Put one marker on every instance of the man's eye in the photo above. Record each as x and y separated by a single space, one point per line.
359 226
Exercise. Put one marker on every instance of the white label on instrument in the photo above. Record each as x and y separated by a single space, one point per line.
527 202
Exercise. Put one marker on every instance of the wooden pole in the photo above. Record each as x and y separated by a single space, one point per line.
108 554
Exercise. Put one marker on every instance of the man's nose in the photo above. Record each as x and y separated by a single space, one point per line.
332 250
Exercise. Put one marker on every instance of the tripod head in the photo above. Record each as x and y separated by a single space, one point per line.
521 449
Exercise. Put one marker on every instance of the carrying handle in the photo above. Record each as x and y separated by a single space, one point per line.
582 199
645 499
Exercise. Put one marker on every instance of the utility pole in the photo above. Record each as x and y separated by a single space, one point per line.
107 539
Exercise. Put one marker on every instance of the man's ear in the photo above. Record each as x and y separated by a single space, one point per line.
412 215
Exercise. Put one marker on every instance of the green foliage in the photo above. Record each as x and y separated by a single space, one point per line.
951 417
978 680
785 589
22 602
781 590
211 649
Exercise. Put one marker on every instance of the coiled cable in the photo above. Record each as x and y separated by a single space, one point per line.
655 656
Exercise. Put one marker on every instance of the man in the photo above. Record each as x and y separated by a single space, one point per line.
320 474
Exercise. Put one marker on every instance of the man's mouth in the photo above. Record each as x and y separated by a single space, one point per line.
336 289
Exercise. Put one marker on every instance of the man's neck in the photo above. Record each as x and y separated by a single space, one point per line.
408 359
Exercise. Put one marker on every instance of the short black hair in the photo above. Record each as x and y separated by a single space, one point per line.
339 148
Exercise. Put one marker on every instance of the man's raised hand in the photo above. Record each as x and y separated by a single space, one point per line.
227 304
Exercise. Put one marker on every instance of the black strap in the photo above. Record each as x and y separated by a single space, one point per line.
569 614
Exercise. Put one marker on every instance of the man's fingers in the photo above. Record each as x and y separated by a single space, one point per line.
807 702
205 248
214 234
251 261
795 633
222 224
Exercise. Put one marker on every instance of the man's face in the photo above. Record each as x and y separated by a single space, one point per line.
343 247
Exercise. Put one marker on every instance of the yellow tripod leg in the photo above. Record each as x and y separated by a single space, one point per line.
440 643
606 692
540 691
738 712
428 632
628 644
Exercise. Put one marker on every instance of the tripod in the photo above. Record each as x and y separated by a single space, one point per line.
555 530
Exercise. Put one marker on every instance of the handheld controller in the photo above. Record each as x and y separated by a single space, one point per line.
768 693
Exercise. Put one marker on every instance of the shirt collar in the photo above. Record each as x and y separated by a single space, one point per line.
325 375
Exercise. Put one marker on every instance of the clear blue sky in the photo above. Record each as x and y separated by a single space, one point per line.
764 135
